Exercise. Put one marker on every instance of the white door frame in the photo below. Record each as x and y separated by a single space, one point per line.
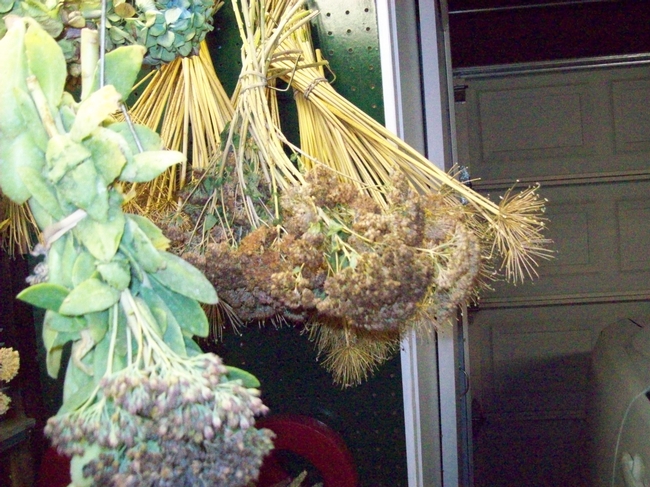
416 102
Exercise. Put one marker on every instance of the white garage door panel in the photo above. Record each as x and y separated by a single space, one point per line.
601 234
634 234
631 100
548 121
532 126
534 362
585 136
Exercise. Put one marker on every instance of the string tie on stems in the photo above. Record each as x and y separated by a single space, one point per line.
313 85
261 84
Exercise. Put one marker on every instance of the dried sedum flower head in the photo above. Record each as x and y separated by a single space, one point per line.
9 363
337 258
184 425
4 403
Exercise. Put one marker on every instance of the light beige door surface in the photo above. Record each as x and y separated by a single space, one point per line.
584 135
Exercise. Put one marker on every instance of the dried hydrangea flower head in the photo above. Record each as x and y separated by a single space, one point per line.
9 363
4 403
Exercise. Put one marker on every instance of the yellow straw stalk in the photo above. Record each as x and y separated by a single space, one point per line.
186 102
372 153
17 227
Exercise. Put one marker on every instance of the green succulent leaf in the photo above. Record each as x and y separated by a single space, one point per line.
139 247
12 54
191 347
117 273
93 111
173 336
85 189
97 325
51 75
54 341
101 357
42 218
89 296
182 277
109 152
78 385
53 354
15 153
153 233
102 239
32 119
41 191
149 139
60 259
247 379
44 295
146 166
122 66
65 324
63 155
171 329
121 343
83 268
188 312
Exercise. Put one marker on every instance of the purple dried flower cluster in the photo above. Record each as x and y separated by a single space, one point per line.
162 426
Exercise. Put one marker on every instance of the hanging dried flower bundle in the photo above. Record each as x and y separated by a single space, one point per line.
514 228
142 404
339 261
361 241
171 31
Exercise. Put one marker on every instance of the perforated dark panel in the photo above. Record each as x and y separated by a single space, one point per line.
346 32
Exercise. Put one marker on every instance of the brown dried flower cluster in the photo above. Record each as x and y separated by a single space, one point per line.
337 259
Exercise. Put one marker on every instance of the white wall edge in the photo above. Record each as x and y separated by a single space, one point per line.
404 115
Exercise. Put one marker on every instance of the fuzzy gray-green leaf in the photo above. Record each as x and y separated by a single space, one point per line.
187 311
101 239
247 379
153 233
89 296
46 61
117 273
148 165
83 268
93 111
182 277
41 191
44 295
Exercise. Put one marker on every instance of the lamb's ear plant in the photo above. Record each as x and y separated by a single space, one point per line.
142 404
